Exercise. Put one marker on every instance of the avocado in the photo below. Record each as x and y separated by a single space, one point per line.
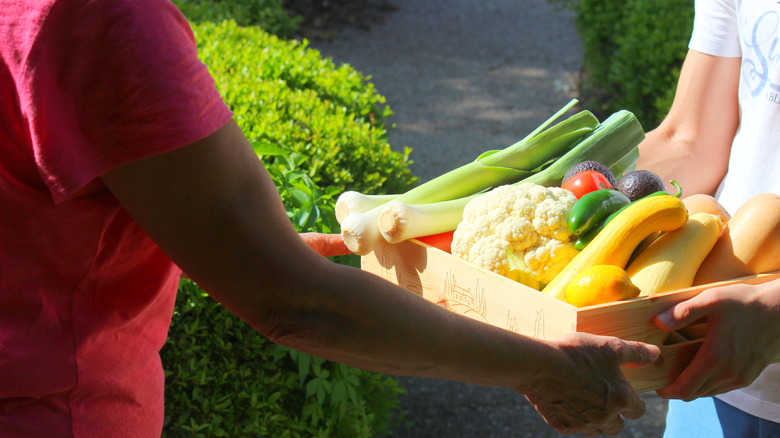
591 165
640 183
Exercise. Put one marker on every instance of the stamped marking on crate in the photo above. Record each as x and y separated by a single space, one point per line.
539 325
474 298
514 324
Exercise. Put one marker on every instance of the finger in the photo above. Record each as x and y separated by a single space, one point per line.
685 386
635 409
693 377
711 390
614 427
554 418
333 245
591 433
327 245
637 353
736 380
682 314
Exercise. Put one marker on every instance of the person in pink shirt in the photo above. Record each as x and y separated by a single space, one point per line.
119 165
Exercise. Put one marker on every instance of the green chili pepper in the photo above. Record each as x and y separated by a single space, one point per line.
591 233
593 207
661 192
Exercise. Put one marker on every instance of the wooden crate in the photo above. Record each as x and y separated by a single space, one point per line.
486 296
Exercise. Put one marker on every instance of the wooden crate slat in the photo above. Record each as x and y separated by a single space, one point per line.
477 293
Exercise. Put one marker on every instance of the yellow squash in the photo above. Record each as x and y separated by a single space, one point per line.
615 243
672 260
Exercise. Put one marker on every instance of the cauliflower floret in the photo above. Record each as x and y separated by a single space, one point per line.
519 231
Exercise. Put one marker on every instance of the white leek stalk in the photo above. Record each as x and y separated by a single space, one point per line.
360 231
399 221
352 202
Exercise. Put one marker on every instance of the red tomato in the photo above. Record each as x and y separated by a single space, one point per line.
585 182
443 241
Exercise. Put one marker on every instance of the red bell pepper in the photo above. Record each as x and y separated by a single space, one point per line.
584 182
443 241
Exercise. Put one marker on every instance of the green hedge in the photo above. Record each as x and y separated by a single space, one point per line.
319 129
269 15
285 95
633 51
224 379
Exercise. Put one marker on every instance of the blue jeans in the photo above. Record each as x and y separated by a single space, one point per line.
711 418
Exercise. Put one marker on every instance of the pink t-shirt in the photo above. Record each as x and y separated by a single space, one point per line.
85 296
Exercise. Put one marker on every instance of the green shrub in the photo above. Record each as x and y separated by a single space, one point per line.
633 54
319 130
286 95
596 22
224 379
269 15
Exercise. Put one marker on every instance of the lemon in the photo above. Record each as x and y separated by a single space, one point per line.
600 284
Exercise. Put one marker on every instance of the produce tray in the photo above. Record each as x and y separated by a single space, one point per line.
483 295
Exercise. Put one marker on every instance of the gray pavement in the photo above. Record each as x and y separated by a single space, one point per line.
462 77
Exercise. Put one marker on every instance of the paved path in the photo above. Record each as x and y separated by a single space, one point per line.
462 77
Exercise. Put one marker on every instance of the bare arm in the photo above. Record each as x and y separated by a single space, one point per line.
212 207
693 142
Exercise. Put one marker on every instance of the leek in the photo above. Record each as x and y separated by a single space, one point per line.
491 169
518 161
352 202
399 221
613 143
615 138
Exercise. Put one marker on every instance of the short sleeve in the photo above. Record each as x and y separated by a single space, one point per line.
715 29
113 81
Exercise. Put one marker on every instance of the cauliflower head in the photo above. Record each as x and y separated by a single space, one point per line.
519 231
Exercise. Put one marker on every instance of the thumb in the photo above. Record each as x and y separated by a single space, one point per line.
326 244
680 315
335 245
638 353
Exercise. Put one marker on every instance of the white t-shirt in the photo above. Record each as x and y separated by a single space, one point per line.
749 30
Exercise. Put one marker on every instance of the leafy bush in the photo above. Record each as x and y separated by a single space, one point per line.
319 129
225 379
287 96
633 54
269 15
597 23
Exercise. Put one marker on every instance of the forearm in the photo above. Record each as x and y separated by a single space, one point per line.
693 142
214 210
676 154
301 300
362 320
670 158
